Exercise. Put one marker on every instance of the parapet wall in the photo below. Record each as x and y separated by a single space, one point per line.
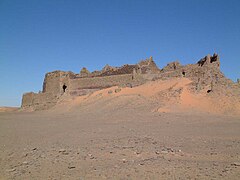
103 82
83 86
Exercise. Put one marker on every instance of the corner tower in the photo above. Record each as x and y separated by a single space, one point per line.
55 82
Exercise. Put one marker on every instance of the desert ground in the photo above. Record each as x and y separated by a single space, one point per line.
128 133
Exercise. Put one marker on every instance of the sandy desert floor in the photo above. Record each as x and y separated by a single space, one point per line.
124 143
119 136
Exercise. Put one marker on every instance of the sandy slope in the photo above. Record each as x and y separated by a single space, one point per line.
172 95
160 130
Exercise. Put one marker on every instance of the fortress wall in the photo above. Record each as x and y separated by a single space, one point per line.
51 82
192 71
39 101
54 81
75 87
64 79
27 99
102 82
205 75
202 76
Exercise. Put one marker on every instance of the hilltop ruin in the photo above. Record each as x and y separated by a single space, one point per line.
205 74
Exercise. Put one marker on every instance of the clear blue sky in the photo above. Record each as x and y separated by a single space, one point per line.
38 36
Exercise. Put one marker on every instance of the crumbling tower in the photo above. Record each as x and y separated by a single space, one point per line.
54 82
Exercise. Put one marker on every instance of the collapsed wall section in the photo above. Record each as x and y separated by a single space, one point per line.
205 74
148 66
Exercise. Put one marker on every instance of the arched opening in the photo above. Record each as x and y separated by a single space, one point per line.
64 88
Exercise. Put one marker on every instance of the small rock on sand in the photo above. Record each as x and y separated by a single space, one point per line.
11 170
71 167
157 152
124 160
25 163
62 150
117 90
236 164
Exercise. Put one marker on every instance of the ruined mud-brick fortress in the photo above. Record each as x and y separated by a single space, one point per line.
204 74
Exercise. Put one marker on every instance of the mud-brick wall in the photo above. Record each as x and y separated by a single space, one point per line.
27 99
103 82
51 82
39 101
54 81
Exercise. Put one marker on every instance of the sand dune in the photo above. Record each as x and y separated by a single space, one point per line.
172 95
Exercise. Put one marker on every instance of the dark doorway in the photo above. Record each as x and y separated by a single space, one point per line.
183 73
64 88
208 91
